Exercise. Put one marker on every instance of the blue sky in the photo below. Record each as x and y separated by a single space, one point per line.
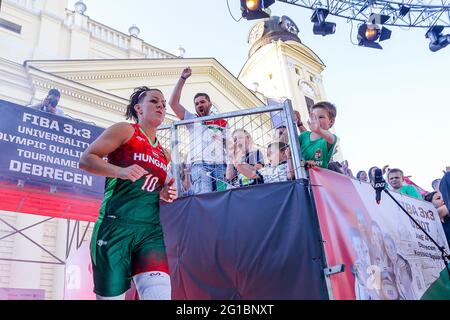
393 105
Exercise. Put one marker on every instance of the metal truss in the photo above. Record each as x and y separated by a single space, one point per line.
76 230
421 14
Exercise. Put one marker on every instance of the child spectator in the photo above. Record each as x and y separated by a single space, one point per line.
396 179
242 144
362 176
281 134
372 173
317 145
278 169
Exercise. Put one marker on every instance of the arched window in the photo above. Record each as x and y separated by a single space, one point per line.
307 89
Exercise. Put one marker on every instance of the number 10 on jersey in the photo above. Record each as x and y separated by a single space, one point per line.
150 183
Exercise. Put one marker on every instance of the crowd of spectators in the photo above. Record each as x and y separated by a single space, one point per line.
218 158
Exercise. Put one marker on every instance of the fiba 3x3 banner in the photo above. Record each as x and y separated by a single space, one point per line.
39 170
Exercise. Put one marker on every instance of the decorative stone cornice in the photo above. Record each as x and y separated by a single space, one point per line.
116 75
226 82
242 98
17 6
52 16
98 99
296 49
89 71
69 91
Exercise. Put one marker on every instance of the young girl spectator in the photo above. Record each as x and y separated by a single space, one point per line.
242 144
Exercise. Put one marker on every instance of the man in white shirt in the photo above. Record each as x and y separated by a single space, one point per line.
206 140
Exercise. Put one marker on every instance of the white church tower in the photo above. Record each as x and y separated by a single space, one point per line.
280 66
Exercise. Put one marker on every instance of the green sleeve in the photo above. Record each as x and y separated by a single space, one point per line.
415 193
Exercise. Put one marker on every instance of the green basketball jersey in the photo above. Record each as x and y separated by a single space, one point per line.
136 202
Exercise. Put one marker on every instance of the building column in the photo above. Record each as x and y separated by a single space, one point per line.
80 37
48 43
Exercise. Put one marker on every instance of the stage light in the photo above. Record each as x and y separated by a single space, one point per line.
252 4
255 9
403 10
320 26
368 34
371 32
438 41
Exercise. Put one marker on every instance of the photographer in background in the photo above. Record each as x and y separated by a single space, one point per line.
50 103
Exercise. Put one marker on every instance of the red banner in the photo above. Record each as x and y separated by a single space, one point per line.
37 201
386 256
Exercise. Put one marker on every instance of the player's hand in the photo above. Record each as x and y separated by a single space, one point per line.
133 173
186 73
169 192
